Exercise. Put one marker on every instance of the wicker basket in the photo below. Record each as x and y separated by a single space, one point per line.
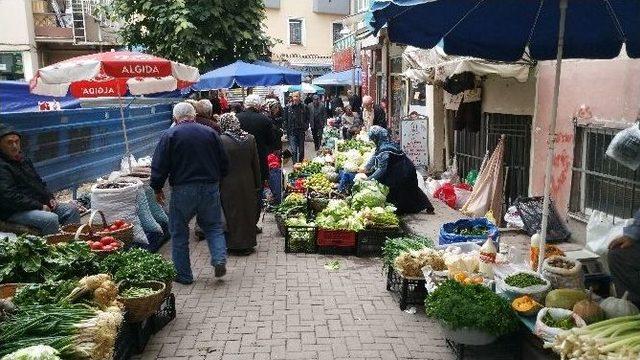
8 290
168 286
90 227
65 238
138 309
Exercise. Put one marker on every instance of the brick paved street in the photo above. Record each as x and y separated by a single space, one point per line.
273 305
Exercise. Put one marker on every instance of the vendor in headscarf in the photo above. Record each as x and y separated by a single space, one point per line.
239 189
390 166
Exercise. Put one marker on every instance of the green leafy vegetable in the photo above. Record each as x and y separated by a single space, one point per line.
379 217
138 265
338 215
563 322
396 246
47 293
301 234
37 352
471 306
523 280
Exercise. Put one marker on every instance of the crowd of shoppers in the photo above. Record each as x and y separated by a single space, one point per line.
217 158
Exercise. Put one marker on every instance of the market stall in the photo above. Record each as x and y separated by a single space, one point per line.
329 208
84 298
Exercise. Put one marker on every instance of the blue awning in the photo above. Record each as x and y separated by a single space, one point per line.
244 74
339 78
504 29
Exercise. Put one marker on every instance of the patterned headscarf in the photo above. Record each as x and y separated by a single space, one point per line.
231 126
378 135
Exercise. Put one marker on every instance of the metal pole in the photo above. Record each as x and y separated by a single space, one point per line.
552 136
124 131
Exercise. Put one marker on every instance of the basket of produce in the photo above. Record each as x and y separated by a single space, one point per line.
470 314
410 263
563 272
142 299
300 236
526 305
406 290
552 321
139 265
90 228
98 244
468 230
119 229
525 283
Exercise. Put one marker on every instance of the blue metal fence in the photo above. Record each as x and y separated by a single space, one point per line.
72 147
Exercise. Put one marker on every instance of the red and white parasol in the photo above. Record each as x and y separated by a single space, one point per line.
111 74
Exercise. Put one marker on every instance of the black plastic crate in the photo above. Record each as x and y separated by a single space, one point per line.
165 315
336 250
406 291
530 210
371 241
300 239
124 346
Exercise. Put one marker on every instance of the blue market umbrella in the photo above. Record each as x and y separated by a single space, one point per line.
506 29
284 69
244 74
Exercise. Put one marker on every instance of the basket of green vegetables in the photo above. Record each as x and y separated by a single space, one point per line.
141 299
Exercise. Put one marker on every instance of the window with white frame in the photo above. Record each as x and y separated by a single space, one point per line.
336 28
295 31
599 182
361 5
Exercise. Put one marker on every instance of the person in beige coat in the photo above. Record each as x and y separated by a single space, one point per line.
239 189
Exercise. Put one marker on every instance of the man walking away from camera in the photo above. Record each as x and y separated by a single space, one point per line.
191 156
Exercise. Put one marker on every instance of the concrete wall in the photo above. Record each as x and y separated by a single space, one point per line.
508 96
17 33
611 88
317 34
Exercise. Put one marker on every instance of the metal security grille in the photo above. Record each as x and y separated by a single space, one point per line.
601 183
470 149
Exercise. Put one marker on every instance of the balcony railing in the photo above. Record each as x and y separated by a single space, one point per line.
346 42
53 25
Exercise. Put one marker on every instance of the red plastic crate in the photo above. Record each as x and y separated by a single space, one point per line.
337 238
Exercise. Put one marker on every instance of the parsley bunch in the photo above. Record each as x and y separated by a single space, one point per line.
138 265
471 306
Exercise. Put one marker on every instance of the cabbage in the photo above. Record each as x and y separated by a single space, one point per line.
379 216
37 352
338 215
368 193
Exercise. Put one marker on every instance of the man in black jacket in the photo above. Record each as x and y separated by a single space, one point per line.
24 198
191 156
253 121
355 101
296 116
318 119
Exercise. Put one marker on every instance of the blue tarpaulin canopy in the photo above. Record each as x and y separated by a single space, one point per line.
244 74
506 29
502 29
15 96
338 78
284 69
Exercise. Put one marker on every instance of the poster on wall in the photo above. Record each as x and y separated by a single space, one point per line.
414 139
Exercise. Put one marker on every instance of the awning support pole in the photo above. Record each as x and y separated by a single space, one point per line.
552 136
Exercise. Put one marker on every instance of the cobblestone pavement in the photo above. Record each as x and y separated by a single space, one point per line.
273 305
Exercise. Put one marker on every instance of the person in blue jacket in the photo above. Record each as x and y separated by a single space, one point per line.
390 166
191 156
623 256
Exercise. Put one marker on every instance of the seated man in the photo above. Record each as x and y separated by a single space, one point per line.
24 198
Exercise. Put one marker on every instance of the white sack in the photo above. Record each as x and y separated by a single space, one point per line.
121 204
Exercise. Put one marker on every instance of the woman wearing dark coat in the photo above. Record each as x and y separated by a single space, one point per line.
239 189
390 166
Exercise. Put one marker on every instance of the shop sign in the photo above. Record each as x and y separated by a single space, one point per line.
342 60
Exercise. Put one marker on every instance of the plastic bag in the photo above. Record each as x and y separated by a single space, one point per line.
471 177
432 185
157 211
120 203
547 333
462 195
448 233
124 164
625 147
447 194
561 278
513 218
538 292
601 231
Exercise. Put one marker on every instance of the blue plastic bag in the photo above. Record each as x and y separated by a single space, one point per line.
346 181
449 236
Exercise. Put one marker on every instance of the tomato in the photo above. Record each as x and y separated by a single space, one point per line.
113 227
97 246
106 240
107 248
119 223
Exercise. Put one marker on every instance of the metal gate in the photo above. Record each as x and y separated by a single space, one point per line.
470 149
